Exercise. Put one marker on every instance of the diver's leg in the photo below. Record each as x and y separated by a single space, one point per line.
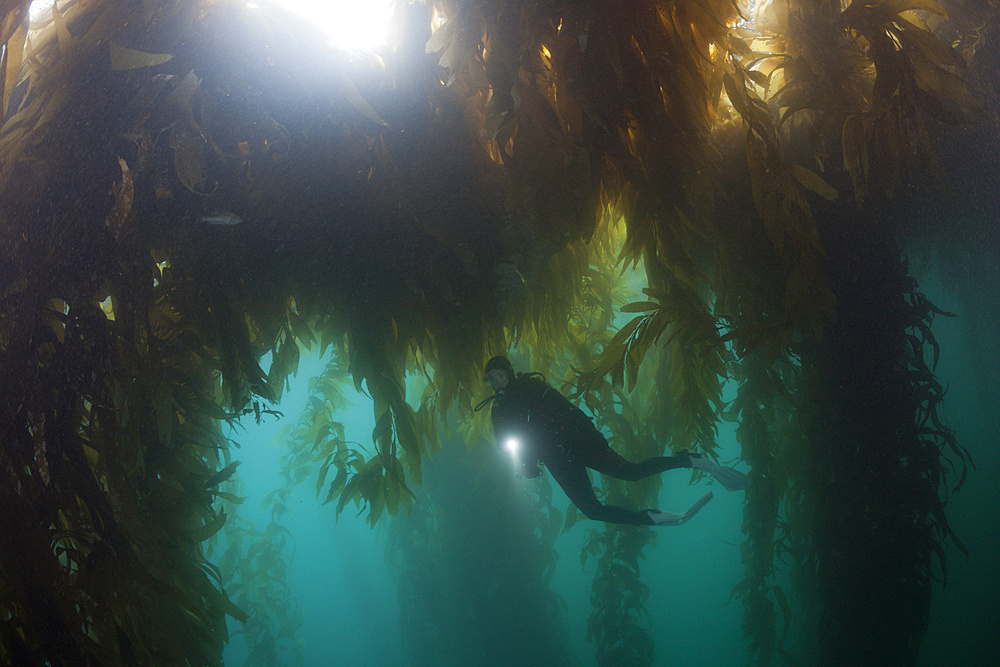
606 460
573 479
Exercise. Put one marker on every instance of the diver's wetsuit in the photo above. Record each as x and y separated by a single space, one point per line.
557 433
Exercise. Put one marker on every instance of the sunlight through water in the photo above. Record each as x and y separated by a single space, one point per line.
38 7
349 24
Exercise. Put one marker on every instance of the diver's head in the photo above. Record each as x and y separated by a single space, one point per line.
499 373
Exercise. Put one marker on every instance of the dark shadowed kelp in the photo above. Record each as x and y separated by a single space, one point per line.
447 199
474 564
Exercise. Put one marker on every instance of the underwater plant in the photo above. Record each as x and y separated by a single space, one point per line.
189 186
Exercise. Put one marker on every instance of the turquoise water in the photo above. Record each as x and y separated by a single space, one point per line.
349 594
965 613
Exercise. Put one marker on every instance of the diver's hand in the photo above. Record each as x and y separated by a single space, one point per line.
530 470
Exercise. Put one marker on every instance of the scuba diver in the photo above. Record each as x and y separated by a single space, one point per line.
536 423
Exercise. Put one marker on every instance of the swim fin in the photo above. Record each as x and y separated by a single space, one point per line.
728 477
670 519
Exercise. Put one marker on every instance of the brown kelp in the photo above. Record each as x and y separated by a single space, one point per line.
189 185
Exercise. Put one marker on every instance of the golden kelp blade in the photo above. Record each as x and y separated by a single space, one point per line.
125 59
13 51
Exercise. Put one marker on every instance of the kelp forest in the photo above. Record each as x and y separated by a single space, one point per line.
646 201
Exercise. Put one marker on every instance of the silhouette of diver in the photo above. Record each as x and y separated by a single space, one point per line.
536 423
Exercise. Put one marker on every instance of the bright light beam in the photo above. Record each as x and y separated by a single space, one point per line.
38 7
350 24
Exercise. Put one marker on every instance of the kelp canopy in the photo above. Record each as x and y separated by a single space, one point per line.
189 185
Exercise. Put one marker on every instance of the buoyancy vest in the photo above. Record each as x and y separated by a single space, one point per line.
537 415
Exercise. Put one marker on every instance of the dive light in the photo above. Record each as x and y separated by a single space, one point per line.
513 446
